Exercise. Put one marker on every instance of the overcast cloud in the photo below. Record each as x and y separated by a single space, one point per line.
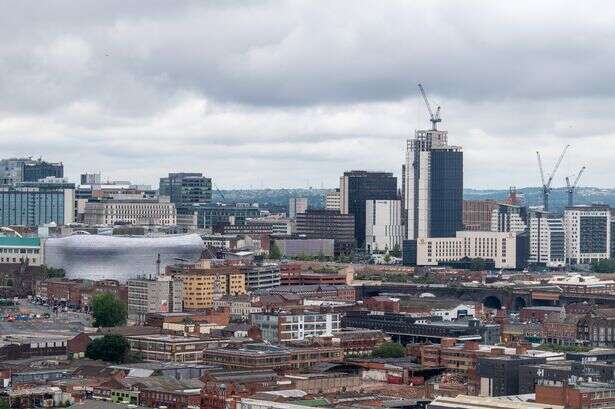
265 93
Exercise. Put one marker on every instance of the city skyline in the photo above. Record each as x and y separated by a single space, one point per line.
290 95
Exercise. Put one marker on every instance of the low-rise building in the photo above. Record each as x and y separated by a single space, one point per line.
240 306
16 249
505 249
169 348
287 326
267 356
476 402
583 284
576 396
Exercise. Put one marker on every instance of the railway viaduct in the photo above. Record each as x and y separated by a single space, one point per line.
512 298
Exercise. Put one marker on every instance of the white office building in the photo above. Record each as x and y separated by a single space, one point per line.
332 200
547 239
509 218
297 205
588 233
162 294
138 212
500 247
383 226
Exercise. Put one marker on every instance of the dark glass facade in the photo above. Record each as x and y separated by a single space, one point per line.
33 171
593 234
213 216
446 193
328 224
363 186
409 249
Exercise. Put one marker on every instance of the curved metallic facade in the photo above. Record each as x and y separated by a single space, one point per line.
97 257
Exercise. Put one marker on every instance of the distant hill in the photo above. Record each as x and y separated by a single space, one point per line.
277 199
558 199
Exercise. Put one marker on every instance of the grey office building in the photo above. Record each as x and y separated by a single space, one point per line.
359 186
34 204
184 188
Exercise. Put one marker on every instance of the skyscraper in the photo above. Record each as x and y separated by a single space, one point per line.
434 186
358 186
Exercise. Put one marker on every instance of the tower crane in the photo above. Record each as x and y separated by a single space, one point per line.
570 188
434 118
546 184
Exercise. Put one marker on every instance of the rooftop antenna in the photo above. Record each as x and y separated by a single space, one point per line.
434 118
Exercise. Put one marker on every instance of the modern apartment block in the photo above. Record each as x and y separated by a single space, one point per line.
477 214
503 248
547 239
359 186
328 224
383 226
434 186
509 218
139 212
150 295
332 200
37 203
588 233
286 326
202 286
184 188
297 205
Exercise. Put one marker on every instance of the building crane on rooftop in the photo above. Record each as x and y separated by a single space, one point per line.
570 188
434 118
546 184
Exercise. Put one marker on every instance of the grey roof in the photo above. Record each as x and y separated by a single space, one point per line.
99 404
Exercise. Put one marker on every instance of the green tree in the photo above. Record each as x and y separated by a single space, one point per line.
396 252
110 348
604 266
4 404
387 258
52 272
108 311
389 350
274 252
478 264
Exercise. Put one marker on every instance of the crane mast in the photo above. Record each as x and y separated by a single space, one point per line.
571 187
434 118
546 184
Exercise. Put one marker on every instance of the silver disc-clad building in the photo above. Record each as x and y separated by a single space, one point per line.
97 257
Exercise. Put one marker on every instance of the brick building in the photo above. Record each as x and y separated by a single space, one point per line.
583 396
381 303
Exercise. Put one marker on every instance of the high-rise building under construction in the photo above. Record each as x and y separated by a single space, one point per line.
434 185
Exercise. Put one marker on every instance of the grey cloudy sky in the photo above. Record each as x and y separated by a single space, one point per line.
289 93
